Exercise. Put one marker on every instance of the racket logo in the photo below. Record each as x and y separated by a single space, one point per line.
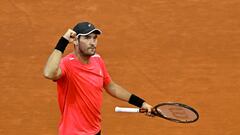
178 113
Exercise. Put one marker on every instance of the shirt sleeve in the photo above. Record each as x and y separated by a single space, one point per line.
63 67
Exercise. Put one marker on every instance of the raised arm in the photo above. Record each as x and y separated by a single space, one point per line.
52 70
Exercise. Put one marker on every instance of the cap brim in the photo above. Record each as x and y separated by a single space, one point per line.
96 31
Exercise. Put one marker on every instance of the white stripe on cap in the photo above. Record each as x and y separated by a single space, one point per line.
89 32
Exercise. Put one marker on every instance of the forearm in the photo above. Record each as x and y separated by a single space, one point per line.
122 94
118 92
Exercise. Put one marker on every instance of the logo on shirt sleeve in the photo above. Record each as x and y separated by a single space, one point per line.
71 58
100 73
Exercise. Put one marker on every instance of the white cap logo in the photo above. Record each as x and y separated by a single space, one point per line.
89 25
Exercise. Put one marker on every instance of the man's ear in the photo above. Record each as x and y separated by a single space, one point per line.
75 42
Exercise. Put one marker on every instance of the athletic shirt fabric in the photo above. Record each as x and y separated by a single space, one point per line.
80 91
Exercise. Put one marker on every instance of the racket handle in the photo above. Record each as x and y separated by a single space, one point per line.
125 109
131 110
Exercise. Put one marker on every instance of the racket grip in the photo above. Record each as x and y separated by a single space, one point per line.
143 110
131 110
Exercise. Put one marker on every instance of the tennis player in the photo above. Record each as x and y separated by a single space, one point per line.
81 77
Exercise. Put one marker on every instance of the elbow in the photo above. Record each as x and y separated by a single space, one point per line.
48 75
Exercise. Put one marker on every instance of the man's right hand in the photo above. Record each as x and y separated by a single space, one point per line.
70 35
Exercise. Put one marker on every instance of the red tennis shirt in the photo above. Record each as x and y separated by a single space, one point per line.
80 91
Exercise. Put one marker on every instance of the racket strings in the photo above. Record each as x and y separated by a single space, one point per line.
179 113
176 113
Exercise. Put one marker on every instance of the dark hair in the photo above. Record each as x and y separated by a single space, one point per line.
78 37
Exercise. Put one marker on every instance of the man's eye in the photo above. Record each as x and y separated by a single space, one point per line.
87 37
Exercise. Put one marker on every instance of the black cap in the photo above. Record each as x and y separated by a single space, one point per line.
85 28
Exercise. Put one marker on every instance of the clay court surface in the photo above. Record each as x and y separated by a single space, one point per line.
163 50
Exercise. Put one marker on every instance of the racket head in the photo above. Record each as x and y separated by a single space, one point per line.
176 112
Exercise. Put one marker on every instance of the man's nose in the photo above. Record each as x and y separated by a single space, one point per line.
93 41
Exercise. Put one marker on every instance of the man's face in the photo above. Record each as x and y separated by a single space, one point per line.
87 44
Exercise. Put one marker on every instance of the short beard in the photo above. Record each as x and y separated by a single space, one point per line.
85 54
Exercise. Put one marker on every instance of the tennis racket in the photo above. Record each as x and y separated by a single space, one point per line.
176 112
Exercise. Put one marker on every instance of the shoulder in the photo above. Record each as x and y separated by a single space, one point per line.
68 57
97 57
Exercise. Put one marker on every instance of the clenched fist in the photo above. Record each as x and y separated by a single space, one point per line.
70 35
